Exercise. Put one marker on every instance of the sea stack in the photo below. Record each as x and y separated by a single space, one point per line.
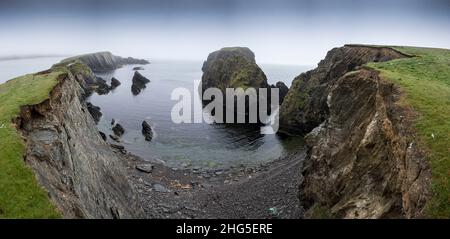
147 131
234 67
139 82
114 83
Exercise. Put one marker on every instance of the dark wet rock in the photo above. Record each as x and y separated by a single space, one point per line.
102 87
146 168
138 68
113 122
160 188
283 90
121 148
103 135
114 83
147 131
139 83
117 146
118 130
94 111
114 137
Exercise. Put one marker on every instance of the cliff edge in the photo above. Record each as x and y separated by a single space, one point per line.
52 131
104 61
368 125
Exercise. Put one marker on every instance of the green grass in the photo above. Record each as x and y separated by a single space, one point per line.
426 81
20 194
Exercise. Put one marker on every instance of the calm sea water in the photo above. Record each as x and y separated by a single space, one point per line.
199 144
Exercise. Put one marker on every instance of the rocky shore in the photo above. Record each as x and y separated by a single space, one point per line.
362 157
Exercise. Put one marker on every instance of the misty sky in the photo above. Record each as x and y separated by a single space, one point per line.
278 31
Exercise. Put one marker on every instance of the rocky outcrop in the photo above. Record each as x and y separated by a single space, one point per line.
147 131
139 83
118 130
283 90
305 106
363 159
235 67
104 61
114 83
83 176
232 67
94 111
102 88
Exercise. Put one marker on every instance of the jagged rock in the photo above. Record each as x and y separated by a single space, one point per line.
103 135
118 130
114 83
358 163
94 111
121 148
102 87
114 137
138 68
305 106
113 122
146 168
139 83
147 131
283 90
117 146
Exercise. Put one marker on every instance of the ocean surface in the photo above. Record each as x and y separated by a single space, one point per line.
179 145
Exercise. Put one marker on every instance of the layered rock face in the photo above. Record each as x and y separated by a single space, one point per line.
105 61
305 106
363 158
84 177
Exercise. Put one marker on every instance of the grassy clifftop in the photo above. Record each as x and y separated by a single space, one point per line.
425 79
20 194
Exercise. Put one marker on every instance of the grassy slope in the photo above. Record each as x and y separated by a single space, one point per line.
20 194
426 82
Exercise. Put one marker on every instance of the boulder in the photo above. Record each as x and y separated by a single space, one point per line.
138 68
118 130
146 168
